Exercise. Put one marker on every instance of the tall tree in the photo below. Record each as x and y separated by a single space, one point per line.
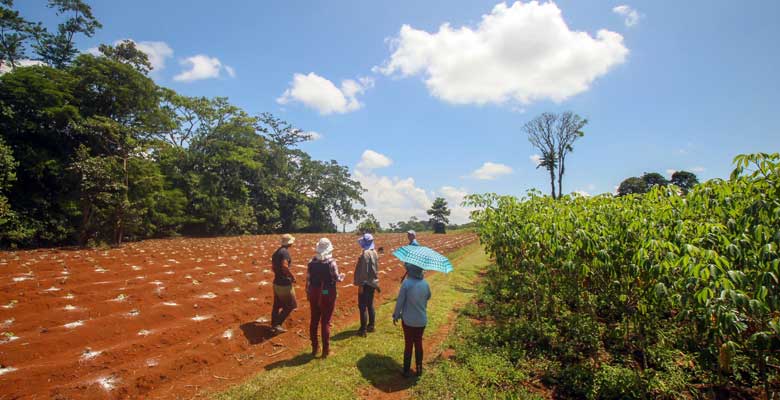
439 215
14 32
567 131
58 49
684 180
553 135
632 185
654 179
369 225
121 106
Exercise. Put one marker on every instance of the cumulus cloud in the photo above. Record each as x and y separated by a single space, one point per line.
631 16
19 63
373 160
202 67
490 171
393 199
322 95
524 52
455 197
157 52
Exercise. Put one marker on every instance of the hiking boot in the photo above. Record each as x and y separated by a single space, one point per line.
326 353
371 329
361 332
419 369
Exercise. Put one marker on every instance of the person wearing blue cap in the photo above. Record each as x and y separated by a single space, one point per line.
367 282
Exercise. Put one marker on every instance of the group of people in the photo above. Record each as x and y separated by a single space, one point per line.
321 279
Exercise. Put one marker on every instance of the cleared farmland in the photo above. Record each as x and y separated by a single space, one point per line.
161 317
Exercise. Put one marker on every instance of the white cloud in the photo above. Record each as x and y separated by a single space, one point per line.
698 169
157 52
670 172
454 197
19 63
490 171
582 193
202 67
536 159
393 199
523 52
322 95
314 135
373 160
631 16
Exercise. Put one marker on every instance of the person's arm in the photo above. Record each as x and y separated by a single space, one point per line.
308 280
285 268
334 271
399 305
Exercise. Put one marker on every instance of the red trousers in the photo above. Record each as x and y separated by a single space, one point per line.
322 306
413 338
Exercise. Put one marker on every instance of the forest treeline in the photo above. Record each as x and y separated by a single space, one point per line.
92 151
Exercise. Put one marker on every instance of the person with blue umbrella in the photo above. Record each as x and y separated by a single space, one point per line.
412 303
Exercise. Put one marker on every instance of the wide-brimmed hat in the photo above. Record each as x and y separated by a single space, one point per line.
366 242
324 249
287 239
410 232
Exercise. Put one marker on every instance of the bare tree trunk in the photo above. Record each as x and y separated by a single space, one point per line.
561 170
552 182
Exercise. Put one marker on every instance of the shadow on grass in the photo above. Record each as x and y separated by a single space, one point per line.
463 289
293 362
344 335
256 333
384 373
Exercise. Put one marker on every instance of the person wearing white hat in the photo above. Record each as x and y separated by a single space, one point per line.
322 276
284 293
412 236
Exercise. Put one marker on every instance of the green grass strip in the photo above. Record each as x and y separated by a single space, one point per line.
376 360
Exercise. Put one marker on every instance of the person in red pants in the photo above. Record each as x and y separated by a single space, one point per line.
411 308
323 273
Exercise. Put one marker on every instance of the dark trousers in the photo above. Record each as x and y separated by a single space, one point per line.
413 338
366 306
284 303
322 306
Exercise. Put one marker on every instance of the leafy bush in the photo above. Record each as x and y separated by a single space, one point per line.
663 290
615 383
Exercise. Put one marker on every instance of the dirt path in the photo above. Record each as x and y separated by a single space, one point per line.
161 318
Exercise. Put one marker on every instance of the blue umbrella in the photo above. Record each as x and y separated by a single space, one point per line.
424 257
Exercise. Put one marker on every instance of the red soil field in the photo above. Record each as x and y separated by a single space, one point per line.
163 318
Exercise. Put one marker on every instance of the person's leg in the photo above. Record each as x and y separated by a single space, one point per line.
327 304
408 343
418 349
288 304
275 310
362 308
369 301
314 322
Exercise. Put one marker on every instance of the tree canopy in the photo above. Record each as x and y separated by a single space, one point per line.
93 150
439 213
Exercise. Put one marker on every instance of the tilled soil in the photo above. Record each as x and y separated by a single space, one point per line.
167 318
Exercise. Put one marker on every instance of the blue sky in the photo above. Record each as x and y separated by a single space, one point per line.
665 85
